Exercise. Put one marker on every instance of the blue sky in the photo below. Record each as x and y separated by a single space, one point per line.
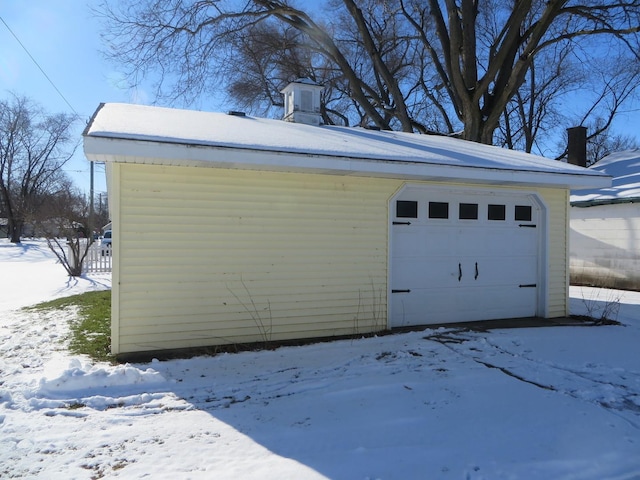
63 37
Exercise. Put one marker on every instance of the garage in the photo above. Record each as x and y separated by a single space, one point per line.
292 231
465 254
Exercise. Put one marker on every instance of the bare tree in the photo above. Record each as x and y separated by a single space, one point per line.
452 66
485 51
606 143
33 148
536 109
63 219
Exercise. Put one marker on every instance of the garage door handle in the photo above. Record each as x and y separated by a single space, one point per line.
476 277
401 291
459 271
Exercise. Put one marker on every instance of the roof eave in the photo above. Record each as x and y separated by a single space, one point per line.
118 150
607 201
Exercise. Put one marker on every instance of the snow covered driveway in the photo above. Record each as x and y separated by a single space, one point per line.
536 403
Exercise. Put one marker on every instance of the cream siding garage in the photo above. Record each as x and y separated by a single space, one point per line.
214 256
232 229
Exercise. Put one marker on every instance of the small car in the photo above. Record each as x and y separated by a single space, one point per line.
106 243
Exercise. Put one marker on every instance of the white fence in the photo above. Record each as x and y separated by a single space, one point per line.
98 259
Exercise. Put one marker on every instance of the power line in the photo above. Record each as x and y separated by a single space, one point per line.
39 67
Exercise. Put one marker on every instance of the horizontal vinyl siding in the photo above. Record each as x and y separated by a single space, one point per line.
605 248
213 256
558 280
220 256
112 171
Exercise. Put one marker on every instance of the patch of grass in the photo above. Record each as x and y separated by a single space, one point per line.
91 333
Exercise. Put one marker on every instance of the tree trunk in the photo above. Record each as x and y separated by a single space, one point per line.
15 230
475 128
74 266
486 136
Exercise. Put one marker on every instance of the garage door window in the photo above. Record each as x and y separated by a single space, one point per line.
496 212
406 209
523 213
468 211
438 210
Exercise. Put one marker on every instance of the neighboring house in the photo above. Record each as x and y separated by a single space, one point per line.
28 229
233 229
605 226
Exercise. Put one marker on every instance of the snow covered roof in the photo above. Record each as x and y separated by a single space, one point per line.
145 134
306 81
624 167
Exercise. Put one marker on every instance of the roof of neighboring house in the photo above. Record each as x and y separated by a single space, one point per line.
144 134
624 167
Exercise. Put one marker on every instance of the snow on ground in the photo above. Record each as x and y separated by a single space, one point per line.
535 403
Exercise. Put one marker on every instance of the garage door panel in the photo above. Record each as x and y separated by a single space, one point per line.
424 307
449 272
497 303
422 241
503 241
469 242
504 270
523 239
434 306
407 242
438 241
512 302
413 273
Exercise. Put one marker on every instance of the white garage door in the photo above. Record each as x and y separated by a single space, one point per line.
463 255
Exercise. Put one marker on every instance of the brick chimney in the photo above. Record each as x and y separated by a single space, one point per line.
577 146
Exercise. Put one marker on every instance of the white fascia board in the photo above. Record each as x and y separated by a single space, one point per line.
108 149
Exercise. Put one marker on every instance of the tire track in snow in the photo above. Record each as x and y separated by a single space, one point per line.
301 380
614 394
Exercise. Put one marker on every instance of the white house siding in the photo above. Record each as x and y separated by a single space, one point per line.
215 256
605 245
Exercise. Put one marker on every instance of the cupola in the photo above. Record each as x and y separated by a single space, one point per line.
302 102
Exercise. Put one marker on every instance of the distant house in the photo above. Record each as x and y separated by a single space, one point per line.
605 226
233 229
28 230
